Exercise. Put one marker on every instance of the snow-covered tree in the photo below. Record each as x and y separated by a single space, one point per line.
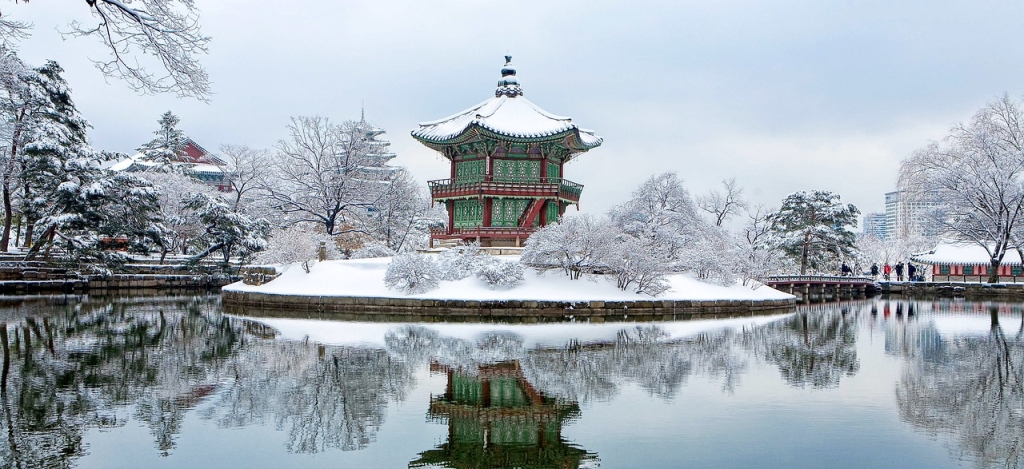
395 218
638 266
723 205
371 250
460 261
182 225
139 35
74 201
576 245
169 145
21 106
974 179
296 244
812 227
754 256
327 173
497 273
231 233
244 167
661 213
412 273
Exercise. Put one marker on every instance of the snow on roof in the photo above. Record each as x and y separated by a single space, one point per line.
962 253
509 114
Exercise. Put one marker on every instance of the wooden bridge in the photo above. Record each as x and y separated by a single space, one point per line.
823 287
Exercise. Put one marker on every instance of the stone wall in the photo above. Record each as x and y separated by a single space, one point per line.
412 309
116 282
1007 291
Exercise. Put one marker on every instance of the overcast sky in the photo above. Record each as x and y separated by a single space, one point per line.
783 95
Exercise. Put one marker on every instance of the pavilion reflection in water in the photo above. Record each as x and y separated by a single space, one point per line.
496 419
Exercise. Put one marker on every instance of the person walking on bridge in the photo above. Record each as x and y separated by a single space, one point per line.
899 272
874 271
911 272
886 270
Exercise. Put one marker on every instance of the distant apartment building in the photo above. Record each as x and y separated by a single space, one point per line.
905 217
874 224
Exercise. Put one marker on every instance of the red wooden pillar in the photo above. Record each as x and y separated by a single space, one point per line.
487 201
450 205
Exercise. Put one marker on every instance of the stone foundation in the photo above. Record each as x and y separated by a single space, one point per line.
1005 291
414 309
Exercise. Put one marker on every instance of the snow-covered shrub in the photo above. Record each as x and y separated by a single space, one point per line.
460 261
577 245
500 274
296 243
639 266
372 249
412 273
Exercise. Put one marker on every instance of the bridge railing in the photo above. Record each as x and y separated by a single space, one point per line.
780 279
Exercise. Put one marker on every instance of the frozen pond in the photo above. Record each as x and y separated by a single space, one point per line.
172 382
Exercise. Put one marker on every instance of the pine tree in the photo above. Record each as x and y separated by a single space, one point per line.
811 227
168 147
74 201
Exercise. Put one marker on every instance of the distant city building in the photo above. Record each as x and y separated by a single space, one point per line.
906 217
874 224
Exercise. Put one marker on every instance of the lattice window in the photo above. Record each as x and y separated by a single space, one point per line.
554 170
468 213
517 170
470 171
552 209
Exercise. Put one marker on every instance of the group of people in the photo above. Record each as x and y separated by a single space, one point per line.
887 271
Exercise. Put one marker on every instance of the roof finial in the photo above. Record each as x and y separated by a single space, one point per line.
508 85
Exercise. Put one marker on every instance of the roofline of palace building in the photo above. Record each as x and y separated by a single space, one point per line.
535 125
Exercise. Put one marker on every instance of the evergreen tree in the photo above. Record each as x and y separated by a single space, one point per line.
811 227
169 145
73 200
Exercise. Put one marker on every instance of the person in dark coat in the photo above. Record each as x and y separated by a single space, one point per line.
874 270
899 272
911 272
846 270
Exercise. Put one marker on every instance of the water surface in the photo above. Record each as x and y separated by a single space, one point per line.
174 382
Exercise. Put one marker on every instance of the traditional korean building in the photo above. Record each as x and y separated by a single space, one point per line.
194 159
507 166
496 419
952 261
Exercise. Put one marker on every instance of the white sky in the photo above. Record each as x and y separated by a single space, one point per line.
784 95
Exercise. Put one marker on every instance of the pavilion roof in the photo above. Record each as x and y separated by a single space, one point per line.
510 115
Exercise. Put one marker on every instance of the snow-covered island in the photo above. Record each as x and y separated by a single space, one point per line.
455 286
365 278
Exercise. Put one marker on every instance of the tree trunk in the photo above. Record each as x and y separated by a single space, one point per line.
993 271
803 259
5 239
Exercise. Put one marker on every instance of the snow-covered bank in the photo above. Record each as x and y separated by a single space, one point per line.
365 278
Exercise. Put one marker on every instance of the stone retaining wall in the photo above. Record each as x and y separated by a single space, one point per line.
412 309
116 282
1006 291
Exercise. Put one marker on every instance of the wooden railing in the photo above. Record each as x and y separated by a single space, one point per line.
830 279
489 185
483 232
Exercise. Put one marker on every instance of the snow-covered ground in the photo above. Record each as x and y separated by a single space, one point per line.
365 278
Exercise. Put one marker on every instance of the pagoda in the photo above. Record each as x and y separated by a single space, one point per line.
507 157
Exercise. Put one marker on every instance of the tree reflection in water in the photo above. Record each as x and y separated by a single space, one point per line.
972 387
94 364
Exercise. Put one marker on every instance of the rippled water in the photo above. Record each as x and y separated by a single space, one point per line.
173 382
